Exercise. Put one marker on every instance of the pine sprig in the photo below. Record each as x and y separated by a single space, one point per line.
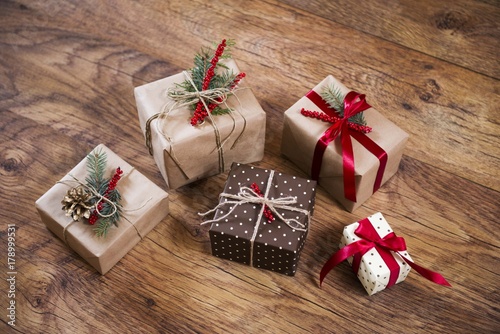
115 197
98 200
107 208
335 99
201 65
96 165
209 74
106 223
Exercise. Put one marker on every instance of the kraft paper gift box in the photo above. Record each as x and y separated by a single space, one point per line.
186 153
301 134
241 232
144 205
378 257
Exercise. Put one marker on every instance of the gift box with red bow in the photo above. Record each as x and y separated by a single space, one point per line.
349 159
378 257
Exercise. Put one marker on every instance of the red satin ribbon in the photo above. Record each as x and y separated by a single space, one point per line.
385 246
354 103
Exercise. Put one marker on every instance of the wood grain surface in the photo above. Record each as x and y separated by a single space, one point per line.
67 74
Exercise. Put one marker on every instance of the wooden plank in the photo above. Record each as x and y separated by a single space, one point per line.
463 32
67 72
415 91
171 275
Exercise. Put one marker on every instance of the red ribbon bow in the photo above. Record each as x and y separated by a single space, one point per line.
385 246
354 103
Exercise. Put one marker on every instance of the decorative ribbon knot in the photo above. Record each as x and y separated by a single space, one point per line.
186 98
371 238
248 195
101 198
354 103
386 247
96 194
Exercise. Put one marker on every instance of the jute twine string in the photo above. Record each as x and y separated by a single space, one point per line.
101 198
248 195
181 98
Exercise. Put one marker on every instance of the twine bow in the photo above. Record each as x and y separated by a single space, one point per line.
95 193
179 98
248 195
114 206
184 98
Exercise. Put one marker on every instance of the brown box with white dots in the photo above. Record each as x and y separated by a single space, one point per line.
263 218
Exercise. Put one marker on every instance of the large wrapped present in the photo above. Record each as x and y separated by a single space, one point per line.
108 207
343 143
263 218
188 144
378 257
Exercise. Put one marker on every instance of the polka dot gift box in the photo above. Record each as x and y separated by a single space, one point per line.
262 219
377 255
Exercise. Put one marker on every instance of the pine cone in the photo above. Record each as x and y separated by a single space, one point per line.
77 203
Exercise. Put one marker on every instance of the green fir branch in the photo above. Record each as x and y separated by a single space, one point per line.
96 165
335 99
102 228
221 79
105 223
224 79
227 50
218 111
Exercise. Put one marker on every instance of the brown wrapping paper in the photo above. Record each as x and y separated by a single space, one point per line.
300 135
277 246
194 147
144 205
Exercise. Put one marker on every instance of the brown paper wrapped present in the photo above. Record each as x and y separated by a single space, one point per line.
186 153
143 203
242 230
301 135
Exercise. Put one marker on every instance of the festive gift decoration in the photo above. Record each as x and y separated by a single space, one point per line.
262 219
377 255
196 123
107 208
317 137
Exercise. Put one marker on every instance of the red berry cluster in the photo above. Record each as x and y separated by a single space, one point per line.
199 113
267 212
237 80
333 119
111 186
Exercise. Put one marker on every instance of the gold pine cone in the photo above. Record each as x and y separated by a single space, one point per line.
77 203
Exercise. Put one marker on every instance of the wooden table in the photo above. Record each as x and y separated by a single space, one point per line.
67 74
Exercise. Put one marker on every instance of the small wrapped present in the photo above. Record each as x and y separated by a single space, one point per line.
317 137
262 219
107 208
187 142
377 255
